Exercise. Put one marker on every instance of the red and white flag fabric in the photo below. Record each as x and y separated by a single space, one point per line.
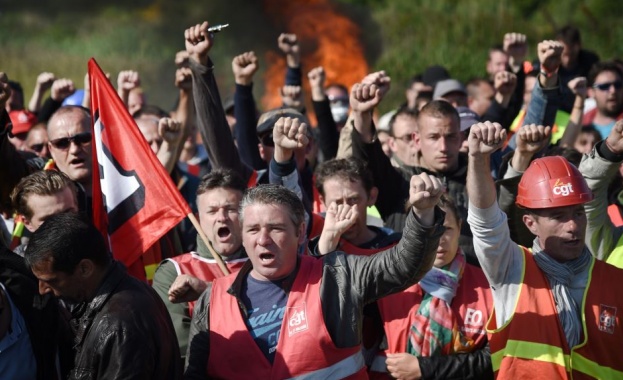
134 199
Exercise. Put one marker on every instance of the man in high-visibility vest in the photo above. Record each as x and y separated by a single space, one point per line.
557 315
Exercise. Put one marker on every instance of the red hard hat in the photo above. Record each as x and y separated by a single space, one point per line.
552 182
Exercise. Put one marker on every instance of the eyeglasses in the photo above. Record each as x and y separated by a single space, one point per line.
37 147
267 139
406 138
606 86
79 139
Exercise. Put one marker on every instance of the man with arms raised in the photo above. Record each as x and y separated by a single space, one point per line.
555 310
314 305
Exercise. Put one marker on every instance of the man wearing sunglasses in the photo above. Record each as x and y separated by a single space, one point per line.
606 87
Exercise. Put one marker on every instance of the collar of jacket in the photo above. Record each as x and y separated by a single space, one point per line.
84 313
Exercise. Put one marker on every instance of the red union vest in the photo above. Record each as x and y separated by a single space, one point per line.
472 304
203 268
304 350
532 343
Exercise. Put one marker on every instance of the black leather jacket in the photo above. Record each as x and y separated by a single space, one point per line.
124 332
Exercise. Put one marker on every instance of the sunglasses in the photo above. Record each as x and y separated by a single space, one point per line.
37 147
79 139
606 86
267 139
406 138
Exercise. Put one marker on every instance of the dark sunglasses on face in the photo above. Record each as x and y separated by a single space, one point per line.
606 86
79 139
267 139
37 147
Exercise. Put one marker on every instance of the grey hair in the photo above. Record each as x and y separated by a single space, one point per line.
274 195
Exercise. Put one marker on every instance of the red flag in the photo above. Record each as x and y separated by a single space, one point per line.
134 199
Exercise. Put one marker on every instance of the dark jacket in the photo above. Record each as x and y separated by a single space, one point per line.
48 330
393 185
124 332
348 283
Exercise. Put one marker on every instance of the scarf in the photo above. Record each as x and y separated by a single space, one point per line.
434 328
559 276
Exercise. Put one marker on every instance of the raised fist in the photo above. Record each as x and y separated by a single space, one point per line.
184 78
128 80
170 130
515 46
425 191
485 138
198 42
290 133
61 89
505 82
244 67
550 53
364 97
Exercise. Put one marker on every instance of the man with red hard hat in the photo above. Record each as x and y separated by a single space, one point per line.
555 311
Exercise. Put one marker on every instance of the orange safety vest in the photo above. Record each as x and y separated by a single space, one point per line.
532 344
304 349
472 305
203 268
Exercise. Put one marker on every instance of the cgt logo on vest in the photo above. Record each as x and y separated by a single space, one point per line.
297 319
561 189
607 318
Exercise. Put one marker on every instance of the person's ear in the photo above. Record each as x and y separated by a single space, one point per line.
417 140
86 268
301 233
29 226
531 223
374 193
391 142
321 198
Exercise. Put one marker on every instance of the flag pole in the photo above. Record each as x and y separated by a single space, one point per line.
216 256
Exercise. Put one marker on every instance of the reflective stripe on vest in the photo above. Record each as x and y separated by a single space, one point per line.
344 368
616 256
531 351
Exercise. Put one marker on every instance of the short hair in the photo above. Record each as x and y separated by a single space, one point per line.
338 86
569 153
66 239
439 109
271 194
221 178
16 87
418 78
42 182
447 203
350 169
569 35
402 111
66 110
601 67
149 110
494 48
473 85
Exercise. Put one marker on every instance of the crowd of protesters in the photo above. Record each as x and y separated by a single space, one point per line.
469 233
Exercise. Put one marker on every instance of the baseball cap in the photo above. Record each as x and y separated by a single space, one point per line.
447 86
268 119
74 99
434 74
468 118
22 121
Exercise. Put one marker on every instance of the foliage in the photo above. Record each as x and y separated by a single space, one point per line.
402 37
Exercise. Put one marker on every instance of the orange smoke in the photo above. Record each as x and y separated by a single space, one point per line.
327 39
